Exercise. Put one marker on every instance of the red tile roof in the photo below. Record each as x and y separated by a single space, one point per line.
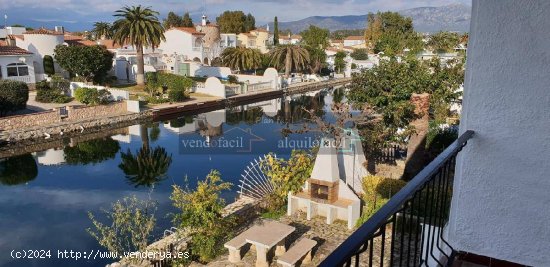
81 42
43 31
72 38
355 38
18 36
190 30
296 36
13 50
110 44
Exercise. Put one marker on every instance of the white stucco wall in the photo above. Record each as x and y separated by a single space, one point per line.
5 60
40 45
501 198
181 43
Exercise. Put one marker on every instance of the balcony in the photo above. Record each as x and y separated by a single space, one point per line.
25 79
410 229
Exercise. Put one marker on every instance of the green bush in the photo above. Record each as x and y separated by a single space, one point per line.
439 138
232 79
360 54
13 96
377 191
177 95
52 92
91 96
178 86
200 211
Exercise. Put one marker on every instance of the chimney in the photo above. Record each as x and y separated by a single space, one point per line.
203 20
60 29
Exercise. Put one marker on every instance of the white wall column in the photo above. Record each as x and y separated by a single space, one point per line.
501 199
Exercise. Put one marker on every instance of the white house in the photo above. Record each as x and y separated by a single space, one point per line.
354 41
186 42
40 43
16 64
11 30
228 40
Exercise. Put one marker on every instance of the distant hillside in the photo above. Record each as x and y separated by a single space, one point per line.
454 17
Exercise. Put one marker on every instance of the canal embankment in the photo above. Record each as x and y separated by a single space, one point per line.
75 120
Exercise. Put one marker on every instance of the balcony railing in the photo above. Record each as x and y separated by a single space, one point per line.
408 230
25 79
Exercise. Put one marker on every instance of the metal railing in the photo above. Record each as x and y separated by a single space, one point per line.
408 229
25 79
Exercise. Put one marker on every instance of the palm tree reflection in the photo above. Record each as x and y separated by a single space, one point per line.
147 167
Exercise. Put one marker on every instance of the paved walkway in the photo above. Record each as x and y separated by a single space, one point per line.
327 236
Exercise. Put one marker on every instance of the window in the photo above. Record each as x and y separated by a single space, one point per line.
18 69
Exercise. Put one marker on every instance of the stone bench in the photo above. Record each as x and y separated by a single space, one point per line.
234 246
299 251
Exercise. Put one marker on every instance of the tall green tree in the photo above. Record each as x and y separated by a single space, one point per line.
340 61
172 20
91 62
48 65
102 30
140 27
236 22
289 57
249 23
187 21
315 40
242 58
391 33
275 31
442 42
315 37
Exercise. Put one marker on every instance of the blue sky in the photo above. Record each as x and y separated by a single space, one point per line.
80 14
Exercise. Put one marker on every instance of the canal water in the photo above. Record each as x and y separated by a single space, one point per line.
45 196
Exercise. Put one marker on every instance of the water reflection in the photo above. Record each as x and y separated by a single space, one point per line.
55 189
93 151
18 170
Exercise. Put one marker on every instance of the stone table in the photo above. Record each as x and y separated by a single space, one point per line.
267 235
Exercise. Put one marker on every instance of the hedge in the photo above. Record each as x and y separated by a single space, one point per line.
52 92
91 96
178 86
13 96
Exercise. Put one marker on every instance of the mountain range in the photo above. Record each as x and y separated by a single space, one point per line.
455 17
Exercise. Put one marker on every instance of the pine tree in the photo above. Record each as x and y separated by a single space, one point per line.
276 32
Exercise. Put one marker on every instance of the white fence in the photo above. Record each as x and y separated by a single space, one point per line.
259 86
116 94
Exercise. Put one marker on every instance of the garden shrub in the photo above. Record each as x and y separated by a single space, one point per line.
52 92
439 138
286 176
377 191
92 96
200 211
232 79
178 86
13 96
130 226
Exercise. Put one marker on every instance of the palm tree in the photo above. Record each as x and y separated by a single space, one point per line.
242 58
102 30
290 57
139 27
147 167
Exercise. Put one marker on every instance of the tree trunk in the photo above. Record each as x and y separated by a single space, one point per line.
144 134
140 77
288 63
